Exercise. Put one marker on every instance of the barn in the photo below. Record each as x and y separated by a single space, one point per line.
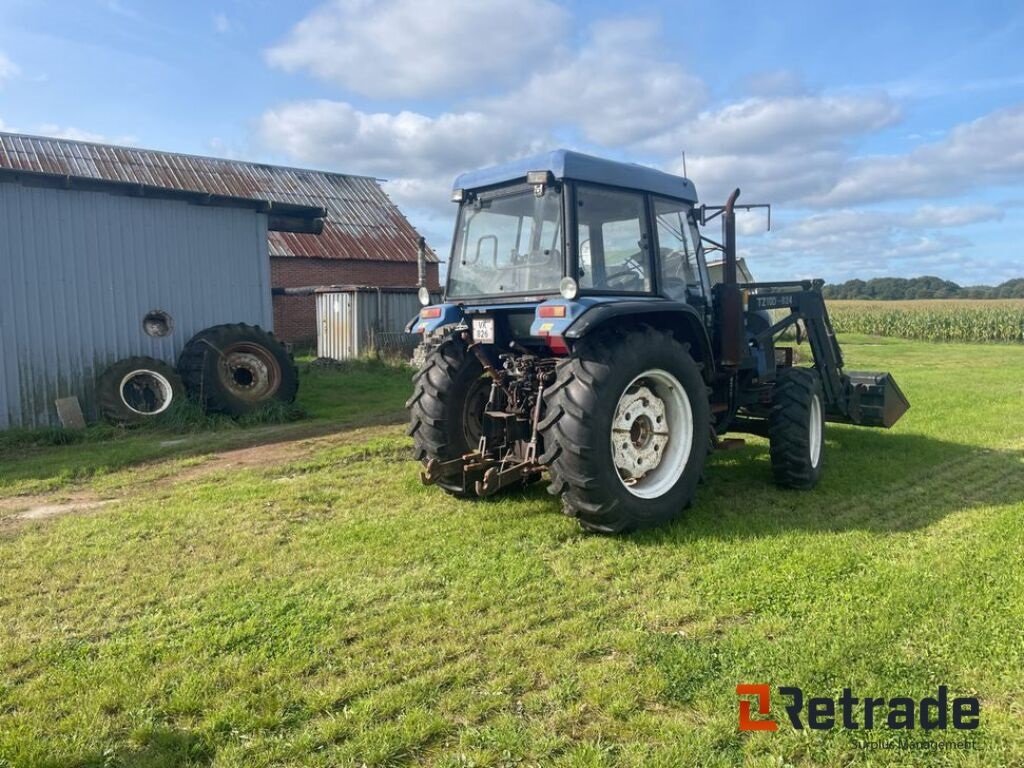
99 271
366 240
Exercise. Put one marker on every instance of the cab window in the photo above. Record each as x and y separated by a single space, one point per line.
614 244
677 253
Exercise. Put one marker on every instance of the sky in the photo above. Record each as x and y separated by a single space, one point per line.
889 137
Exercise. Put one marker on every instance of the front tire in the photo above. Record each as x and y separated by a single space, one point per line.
626 430
796 429
450 393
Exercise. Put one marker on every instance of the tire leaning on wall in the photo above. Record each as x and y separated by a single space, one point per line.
137 389
235 369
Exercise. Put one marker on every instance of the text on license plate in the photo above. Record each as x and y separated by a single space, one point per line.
483 330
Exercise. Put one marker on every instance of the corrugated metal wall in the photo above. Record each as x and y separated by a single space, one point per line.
359 321
82 269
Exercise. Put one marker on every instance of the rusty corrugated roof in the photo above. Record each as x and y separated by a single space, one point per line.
362 222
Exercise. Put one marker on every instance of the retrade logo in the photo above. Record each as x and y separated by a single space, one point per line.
762 692
823 713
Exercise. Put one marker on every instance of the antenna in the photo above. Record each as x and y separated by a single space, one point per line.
684 165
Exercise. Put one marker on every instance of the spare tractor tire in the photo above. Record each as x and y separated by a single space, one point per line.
137 389
235 369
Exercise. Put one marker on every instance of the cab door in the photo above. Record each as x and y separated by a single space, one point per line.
683 274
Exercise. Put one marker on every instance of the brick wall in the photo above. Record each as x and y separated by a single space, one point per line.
295 316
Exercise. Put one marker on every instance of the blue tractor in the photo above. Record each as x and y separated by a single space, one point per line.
581 336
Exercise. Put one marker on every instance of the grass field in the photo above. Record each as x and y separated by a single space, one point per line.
354 393
316 605
999 320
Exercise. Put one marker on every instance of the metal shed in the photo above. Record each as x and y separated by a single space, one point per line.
354 320
85 261
366 240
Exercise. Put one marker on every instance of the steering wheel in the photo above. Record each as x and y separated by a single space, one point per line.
626 280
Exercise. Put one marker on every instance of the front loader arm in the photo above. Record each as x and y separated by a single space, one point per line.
864 398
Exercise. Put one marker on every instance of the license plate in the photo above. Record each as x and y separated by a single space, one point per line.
483 330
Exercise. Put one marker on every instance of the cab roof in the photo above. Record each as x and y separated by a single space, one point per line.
566 164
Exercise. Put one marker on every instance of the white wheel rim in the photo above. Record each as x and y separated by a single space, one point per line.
652 434
815 427
163 390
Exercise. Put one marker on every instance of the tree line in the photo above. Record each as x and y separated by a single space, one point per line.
894 288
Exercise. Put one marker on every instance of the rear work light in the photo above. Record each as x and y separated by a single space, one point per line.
551 310
430 313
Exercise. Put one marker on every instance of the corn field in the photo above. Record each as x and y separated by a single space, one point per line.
932 320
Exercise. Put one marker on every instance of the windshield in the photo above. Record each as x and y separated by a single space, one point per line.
508 242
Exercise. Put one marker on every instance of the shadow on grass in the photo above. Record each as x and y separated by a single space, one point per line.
872 480
162 748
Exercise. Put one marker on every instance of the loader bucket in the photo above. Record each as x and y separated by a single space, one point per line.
875 399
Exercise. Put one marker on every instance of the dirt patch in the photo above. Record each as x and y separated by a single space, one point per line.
23 509
273 454
44 511
276 447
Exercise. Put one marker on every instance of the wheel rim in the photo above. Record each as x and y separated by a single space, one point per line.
816 430
652 434
473 410
250 372
146 393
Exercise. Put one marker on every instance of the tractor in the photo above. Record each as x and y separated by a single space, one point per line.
580 336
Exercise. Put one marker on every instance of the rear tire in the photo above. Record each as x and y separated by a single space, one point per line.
137 389
601 416
450 393
796 429
235 369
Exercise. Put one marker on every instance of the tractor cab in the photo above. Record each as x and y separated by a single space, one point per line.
569 230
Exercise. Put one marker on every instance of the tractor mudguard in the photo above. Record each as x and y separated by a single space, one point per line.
450 314
676 316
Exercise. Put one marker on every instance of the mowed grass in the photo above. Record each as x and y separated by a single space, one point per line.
333 611
350 393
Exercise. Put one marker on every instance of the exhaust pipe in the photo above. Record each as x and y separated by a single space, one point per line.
729 239
730 299
421 263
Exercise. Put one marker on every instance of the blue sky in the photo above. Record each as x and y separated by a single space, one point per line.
889 137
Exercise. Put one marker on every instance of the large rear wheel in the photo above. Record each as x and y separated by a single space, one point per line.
446 410
626 430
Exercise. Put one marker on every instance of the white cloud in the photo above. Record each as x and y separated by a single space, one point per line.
613 89
953 215
72 133
594 90
415 49
616 89
774 176
221 23
404 144
781 149
987 151
754 125
8 69
846 243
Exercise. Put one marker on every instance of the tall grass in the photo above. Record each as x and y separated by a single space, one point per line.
932 320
